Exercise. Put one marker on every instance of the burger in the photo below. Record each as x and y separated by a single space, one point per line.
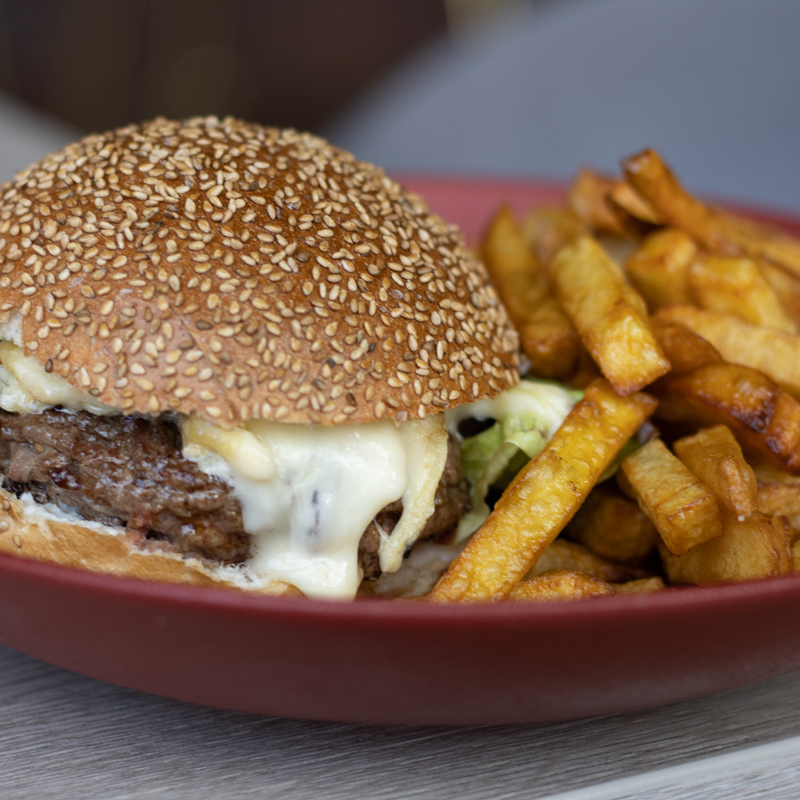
227 352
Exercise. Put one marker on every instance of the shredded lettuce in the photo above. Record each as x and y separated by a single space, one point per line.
526 416
495 456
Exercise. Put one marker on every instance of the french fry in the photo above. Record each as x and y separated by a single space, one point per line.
586 371
547 229
638 214
716 231
612 527
659 268
684 349
619 250
641 586
544 496
774 353
563 555
713 455
767 472
682 508
560 586
785 286
608 315
546 335
779 494
736 286
753 547
587 198
765 420
722 353
783 500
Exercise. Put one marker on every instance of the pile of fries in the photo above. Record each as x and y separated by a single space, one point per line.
634 284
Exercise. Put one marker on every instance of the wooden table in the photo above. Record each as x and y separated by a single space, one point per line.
69 737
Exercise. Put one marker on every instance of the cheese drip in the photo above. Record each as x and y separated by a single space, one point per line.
308 492
27 388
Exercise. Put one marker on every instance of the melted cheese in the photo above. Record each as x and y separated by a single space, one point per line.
26 387
327 484
248 455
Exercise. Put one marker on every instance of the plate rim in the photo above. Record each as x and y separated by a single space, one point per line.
670 601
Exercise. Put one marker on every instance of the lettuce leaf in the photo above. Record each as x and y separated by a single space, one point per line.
526 416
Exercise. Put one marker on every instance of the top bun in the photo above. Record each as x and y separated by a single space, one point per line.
239 272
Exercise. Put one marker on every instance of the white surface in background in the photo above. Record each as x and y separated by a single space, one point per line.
713 84
27 136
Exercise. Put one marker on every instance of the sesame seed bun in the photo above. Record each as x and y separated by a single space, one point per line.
242 272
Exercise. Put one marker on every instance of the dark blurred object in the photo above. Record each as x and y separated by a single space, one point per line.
98 64
711 84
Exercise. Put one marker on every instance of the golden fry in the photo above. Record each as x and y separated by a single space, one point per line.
754 547
587 198
560 586
722 353
636 213
736 286
544 496
716 231
767 472
608 314
619 250
765 420
613 527
713 455
682 508
774 353
546 335
586 371
564 555
641 586
783 500
659 268
547 229
786 287
684 349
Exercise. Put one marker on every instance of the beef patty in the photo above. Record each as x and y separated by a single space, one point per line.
450 504
131 472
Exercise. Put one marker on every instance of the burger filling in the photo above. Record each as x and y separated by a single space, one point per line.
131 472
308 493
318 507
125 471
299 503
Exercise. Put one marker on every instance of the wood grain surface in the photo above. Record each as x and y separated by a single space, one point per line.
68 737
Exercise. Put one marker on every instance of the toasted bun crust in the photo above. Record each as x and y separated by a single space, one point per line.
46 534
244 272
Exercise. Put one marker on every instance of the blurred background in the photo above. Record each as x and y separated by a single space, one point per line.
97 64
488 87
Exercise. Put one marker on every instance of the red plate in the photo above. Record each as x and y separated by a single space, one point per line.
379 661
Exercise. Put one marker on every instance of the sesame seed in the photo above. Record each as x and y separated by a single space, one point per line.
330 293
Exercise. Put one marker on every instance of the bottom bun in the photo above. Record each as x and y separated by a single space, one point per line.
46 533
